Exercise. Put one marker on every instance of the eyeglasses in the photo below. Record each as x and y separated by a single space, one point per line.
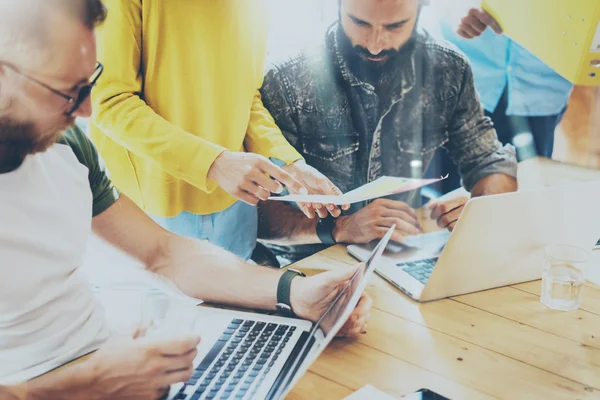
73 103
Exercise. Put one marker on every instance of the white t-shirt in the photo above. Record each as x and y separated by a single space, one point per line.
48 313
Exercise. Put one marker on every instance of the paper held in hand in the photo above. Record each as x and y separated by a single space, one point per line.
382 187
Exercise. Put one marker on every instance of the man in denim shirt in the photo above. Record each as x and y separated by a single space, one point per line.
379 97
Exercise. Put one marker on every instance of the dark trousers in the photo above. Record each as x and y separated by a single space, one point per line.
541 128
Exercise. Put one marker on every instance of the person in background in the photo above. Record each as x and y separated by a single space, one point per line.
180 121
55 191
519 92
379 97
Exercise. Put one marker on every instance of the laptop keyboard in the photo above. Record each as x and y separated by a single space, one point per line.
238 362
419 269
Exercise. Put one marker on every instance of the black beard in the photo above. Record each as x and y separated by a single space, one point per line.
366 70
19 139
371 71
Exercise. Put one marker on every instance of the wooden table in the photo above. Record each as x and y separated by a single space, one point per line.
498 344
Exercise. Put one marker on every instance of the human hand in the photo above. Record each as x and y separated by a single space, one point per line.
475 22
311 297
447 212
358 321
316 183
251 177
139 369
373 222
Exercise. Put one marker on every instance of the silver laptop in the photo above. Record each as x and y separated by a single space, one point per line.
255 356
499 240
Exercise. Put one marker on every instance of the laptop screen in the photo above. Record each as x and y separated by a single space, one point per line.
335 315
336 309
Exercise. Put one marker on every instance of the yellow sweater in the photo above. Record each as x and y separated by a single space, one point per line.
180 86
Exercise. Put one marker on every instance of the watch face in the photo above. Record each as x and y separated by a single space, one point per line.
284 309
298 272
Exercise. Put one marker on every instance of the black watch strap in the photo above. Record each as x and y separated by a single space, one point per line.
283 292
325 228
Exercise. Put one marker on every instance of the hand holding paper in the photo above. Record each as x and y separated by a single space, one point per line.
316 183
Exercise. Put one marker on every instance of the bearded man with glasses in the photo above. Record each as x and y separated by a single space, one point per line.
54 190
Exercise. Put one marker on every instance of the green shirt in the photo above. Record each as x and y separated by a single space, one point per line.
103 190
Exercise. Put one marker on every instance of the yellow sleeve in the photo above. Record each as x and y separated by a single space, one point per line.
122 115
265 138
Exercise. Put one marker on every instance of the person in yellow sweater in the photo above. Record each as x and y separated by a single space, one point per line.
180 123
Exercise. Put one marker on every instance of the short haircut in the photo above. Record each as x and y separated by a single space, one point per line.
90 12
95 13
24 24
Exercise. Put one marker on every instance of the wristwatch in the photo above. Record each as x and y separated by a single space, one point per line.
325 228
284 306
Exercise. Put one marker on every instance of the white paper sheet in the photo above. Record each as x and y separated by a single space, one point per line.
369 393
382 187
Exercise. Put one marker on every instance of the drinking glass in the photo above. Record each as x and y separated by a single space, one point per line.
563 278
170 317
125 307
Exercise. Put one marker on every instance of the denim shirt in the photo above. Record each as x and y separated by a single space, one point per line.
347 130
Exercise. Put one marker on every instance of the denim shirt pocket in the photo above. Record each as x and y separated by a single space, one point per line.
422 138
333 155
329 142
425 138
420 122
431 141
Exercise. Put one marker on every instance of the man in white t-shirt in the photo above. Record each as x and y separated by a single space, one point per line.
54 191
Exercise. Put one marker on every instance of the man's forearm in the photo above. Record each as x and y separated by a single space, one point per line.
283 224
494 184
205 271
66 383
